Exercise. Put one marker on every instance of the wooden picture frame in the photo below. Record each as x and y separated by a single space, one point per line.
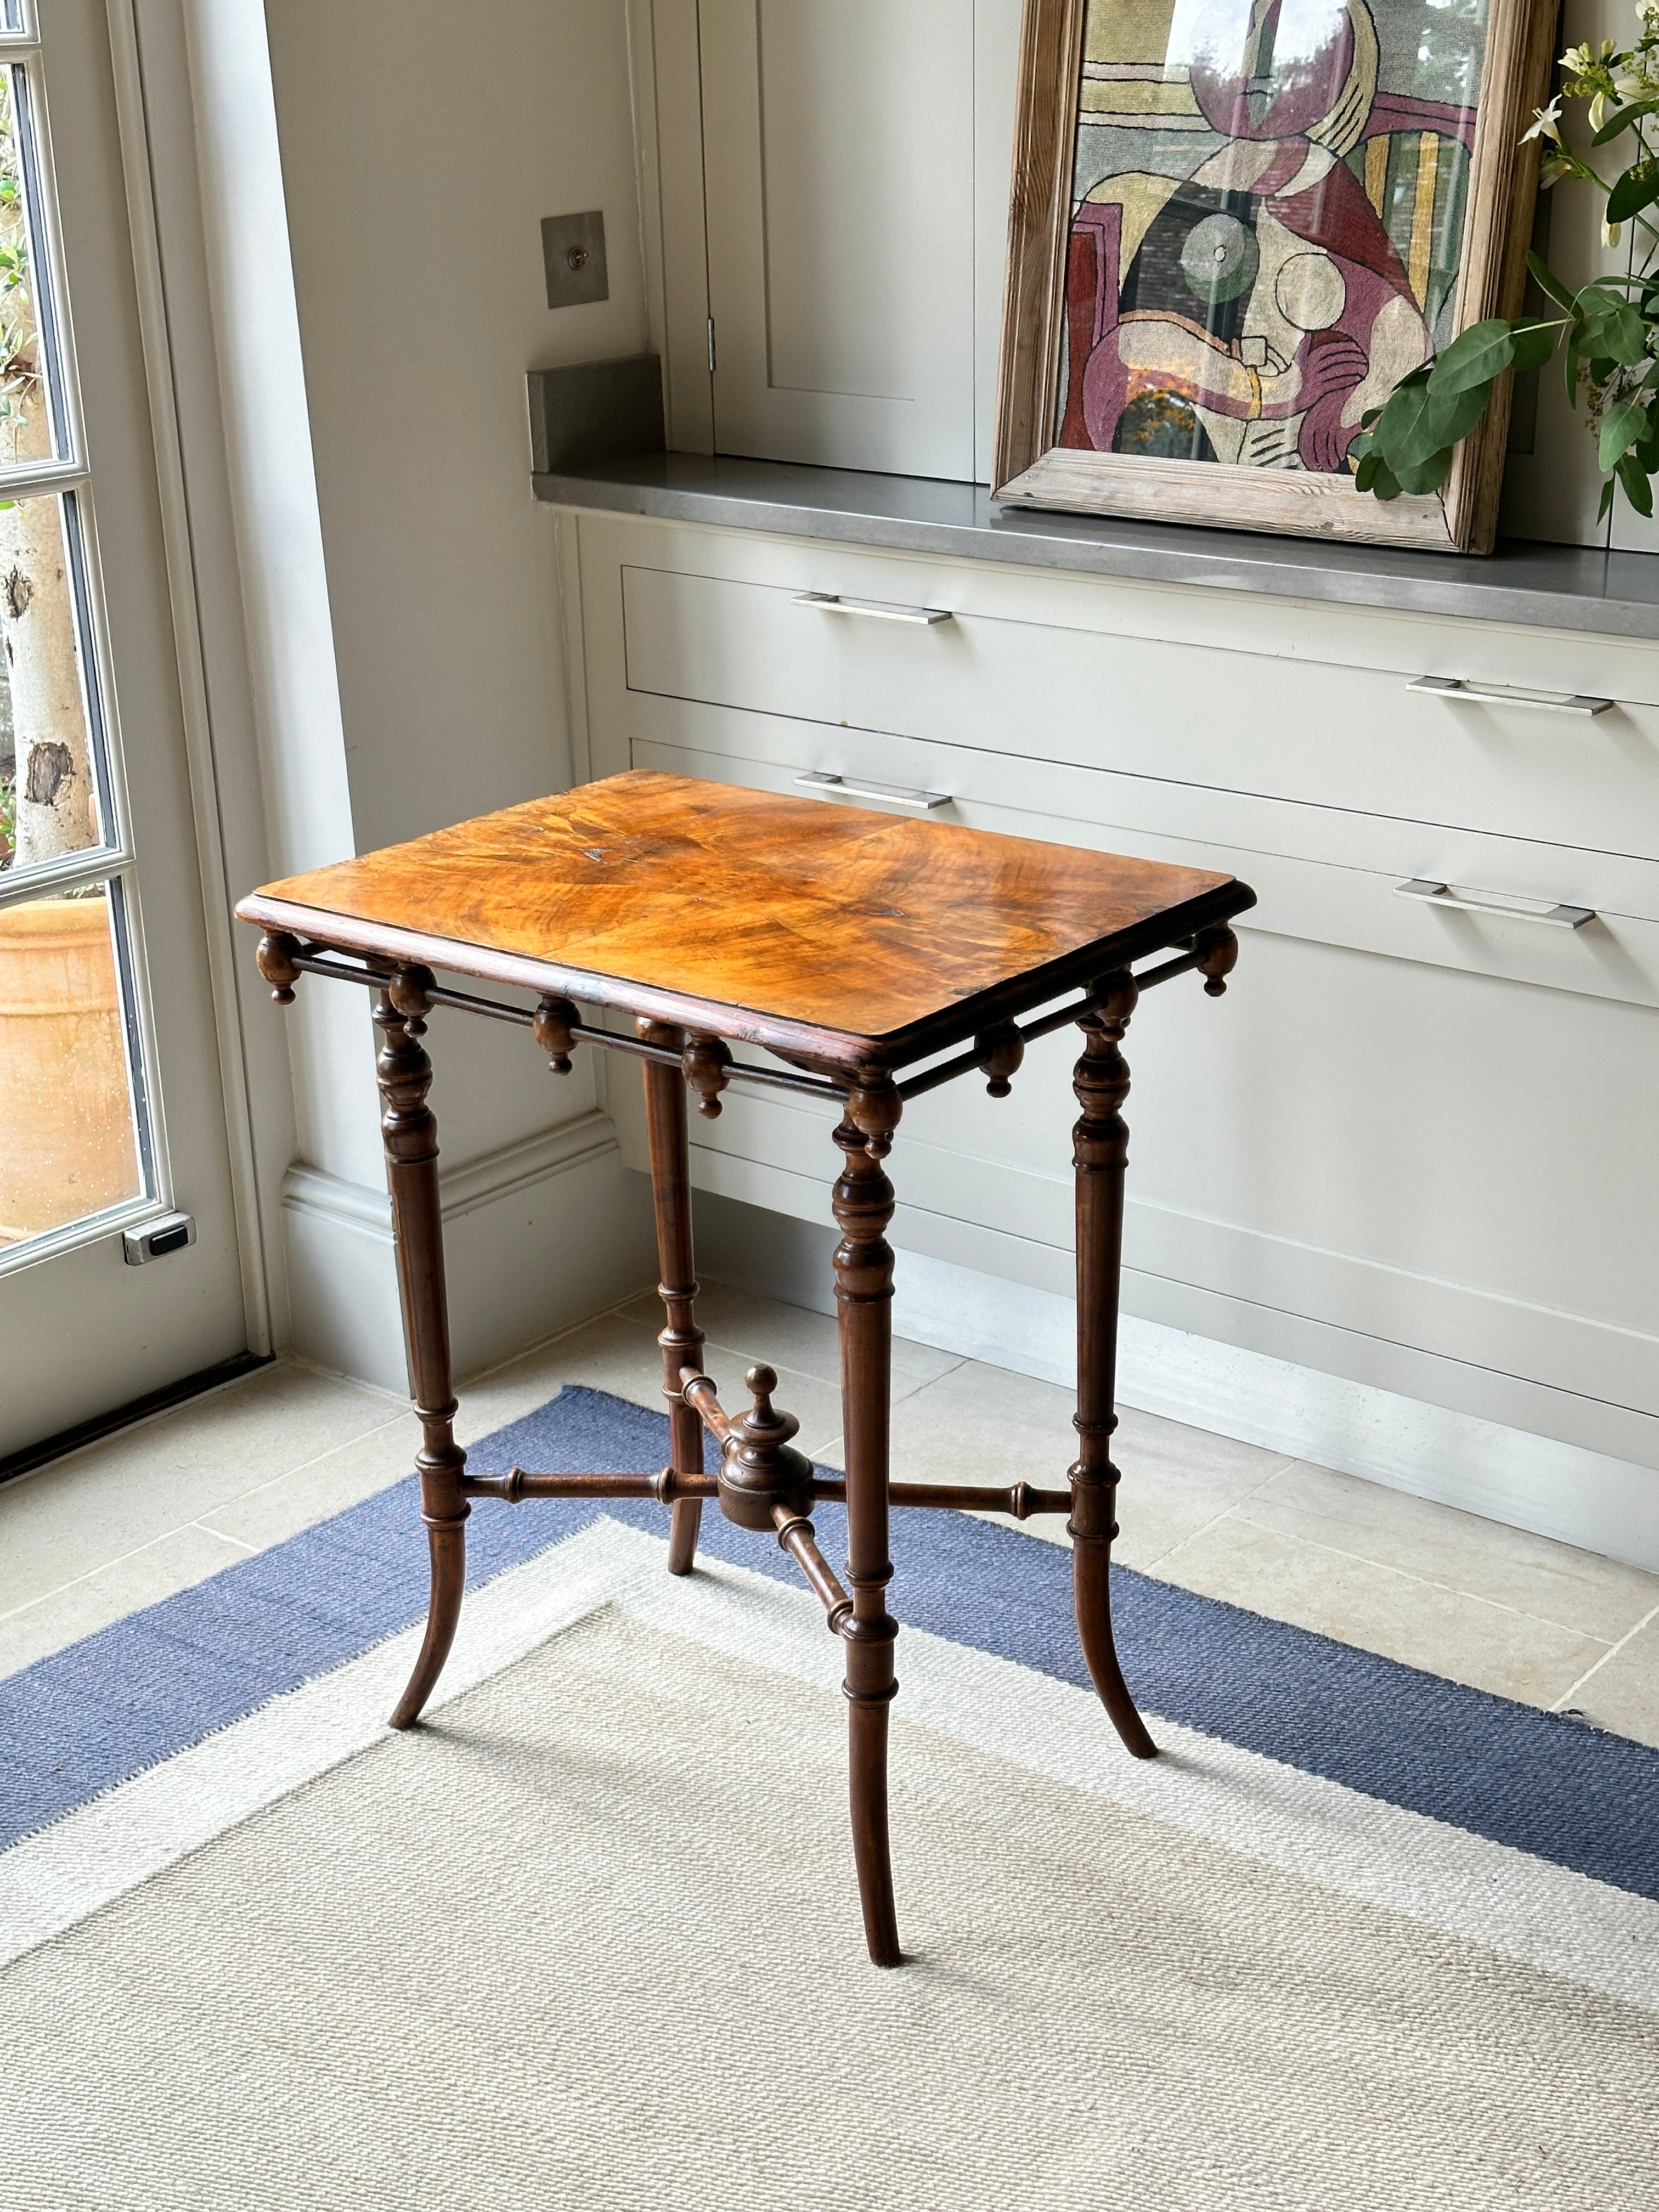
1174 387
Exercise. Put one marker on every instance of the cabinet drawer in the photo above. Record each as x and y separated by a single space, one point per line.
1258 724
1288 853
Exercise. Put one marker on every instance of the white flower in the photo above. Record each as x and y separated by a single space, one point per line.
1552 171
1598 111
1545 122
1610 232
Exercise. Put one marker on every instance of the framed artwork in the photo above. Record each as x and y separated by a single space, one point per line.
1236 225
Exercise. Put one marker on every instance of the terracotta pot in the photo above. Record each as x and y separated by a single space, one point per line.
66 1137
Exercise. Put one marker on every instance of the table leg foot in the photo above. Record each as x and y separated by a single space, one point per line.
447 1540
867 1793
1091 1591
687 1514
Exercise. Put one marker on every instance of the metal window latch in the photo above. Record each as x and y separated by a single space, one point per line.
824 783
157 1238
878 609
1581 703
1552 917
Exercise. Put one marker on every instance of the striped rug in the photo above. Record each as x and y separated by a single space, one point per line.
1362 1937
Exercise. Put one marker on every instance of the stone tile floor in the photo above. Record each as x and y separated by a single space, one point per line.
127 1521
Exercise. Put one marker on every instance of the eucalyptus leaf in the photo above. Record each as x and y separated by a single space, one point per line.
1637 490
1620 120
1385 484
1425 475
1534 345
1482 352
1550 284
1598 300
1622 425
1446 421
1618 335
1369 468
1402 433
1636 189
1607 491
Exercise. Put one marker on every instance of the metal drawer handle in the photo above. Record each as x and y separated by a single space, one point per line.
822 784
1552 917
1511 694
878 609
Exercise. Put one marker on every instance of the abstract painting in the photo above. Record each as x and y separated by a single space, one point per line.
1260 215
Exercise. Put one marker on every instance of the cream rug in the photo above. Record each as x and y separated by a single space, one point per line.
591 1939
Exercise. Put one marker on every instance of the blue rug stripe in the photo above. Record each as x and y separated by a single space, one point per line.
80 1722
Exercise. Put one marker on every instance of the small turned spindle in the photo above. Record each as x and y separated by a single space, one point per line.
410 992
706 1061
275 959
555 1021
873 1108
1218 955
999 1052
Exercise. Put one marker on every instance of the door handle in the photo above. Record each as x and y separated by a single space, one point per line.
822 783
832 603
1511 694
1552 917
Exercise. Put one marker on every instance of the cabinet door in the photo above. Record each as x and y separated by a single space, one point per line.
856 197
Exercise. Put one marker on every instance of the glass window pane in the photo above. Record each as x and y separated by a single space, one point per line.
69 1124
11 16
51 784
31 411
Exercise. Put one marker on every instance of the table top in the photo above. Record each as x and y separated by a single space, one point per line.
828 932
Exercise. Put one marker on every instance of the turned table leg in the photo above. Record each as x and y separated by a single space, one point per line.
864 1291
1100 1153
681 1338
410 1133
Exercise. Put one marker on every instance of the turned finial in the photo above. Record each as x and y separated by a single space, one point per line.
1218 955
411 992
999 1052
277 964
553 1029
873 1108
707 1062
761 1382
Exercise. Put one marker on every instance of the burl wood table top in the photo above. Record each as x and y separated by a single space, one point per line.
829 931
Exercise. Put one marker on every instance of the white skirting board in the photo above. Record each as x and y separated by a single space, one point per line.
538 1236
1560 1490
1555 1489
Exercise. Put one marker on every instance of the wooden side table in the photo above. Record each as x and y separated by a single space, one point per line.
850 946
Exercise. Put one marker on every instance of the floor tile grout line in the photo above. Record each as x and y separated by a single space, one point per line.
225 1537
1428 1581
304 1465
1150 1567
1629 1635
105 1566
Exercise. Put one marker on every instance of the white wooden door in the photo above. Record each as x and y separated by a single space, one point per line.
856 159
112 1113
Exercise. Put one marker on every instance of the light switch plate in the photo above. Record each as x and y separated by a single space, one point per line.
572 253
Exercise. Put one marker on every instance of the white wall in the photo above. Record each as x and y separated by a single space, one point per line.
421 147
372 177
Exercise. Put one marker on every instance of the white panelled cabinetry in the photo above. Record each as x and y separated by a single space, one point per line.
1414 1145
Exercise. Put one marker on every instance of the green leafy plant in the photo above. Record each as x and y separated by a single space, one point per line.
1609 329
7 819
